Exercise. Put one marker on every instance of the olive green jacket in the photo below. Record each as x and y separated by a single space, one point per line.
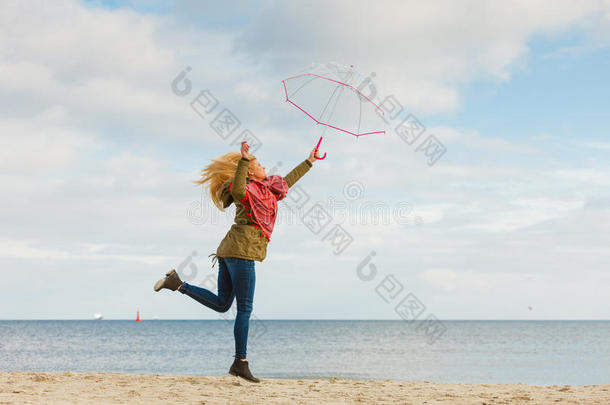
244 240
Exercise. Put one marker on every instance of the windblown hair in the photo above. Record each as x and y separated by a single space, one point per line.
218 174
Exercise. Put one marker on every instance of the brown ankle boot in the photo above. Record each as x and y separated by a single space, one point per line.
240 368
171 281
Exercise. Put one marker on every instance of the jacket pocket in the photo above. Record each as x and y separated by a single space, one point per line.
243 241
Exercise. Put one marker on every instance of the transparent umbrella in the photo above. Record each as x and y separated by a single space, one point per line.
327 94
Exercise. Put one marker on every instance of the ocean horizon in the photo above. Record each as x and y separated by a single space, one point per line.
538 352
304 319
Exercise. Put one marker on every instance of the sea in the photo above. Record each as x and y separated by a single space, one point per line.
529 352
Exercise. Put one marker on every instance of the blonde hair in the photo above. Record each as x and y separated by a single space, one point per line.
218 174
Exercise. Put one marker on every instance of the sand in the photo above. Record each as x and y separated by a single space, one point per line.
115 388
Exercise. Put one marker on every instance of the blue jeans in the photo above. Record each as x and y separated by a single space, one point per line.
236 278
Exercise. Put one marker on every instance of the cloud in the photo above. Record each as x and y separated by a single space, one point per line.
42 144
598 145
422 51
107 69
473 140
471 280
26 250
584 175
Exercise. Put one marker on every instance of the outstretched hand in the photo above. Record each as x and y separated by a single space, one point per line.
245 148
314 155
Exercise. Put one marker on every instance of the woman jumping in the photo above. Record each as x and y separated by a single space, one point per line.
240 179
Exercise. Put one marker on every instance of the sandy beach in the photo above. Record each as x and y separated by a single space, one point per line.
116 388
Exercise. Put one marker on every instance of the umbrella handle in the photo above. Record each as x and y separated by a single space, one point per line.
317 146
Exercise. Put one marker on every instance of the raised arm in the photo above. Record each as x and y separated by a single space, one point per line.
238 187
303 167
298 172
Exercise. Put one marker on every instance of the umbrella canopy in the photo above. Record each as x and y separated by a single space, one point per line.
329 95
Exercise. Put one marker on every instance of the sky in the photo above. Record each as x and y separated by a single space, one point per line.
99 151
